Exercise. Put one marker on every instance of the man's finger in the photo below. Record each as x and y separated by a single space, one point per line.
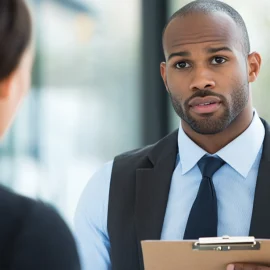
244 266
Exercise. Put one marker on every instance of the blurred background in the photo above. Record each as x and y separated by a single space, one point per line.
97 91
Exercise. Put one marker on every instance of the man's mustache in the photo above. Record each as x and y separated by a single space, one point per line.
204 93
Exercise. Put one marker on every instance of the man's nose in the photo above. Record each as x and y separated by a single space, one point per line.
202 79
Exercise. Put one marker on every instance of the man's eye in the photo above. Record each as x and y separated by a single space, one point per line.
218 60
181 65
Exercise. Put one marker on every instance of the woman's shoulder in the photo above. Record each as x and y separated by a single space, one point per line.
35 233
13 206
18 212
20 209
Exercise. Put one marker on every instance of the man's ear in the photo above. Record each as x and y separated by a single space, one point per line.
164 73
254 65
6 87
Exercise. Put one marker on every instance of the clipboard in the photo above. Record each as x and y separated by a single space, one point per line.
213 253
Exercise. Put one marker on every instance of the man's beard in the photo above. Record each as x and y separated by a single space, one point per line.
211 124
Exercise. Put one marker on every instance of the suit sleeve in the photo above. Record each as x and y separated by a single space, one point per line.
44 242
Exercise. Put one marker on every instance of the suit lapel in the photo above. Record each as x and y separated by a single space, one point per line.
153 185
260 222
152 188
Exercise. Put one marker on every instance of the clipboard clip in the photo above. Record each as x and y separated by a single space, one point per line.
226 243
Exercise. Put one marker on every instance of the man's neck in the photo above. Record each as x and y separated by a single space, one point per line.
213 143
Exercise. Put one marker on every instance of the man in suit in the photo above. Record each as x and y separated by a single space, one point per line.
214 166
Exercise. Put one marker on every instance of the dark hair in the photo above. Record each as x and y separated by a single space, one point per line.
15 34
210 6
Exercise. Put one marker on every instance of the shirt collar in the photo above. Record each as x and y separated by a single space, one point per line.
240 154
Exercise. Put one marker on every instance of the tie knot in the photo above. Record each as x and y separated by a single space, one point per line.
209 165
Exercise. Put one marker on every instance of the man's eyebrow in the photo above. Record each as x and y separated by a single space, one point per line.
215 50
208 50
183 53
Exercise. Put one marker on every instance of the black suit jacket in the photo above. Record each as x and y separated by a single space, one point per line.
139 190
33 236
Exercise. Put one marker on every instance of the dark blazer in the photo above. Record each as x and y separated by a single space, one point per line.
139 190
33 236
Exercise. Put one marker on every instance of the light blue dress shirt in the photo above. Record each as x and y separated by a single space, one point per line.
234 183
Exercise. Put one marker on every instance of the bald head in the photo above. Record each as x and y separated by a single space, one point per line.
210 7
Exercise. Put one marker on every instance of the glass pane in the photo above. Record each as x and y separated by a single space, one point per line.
84 107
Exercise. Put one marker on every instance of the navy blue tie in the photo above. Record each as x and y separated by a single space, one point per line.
203 216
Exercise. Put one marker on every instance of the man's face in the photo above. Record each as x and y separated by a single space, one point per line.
206 70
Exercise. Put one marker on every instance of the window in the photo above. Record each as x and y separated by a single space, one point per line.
84 107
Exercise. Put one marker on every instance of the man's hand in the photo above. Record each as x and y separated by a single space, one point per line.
245 266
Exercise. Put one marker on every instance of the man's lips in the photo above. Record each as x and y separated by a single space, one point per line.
205 105
204 101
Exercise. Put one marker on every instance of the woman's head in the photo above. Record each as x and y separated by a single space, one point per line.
16 55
